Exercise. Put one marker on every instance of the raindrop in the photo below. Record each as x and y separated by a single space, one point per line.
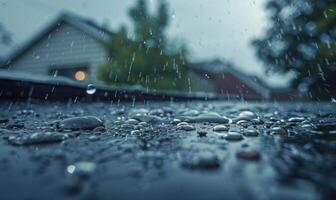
325 14
91 89
71 169
173 15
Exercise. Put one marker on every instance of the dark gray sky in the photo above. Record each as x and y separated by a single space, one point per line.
210 28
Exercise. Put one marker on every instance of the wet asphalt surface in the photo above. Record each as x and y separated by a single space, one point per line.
165 150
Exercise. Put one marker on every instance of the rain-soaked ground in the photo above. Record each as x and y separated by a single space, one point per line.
165 150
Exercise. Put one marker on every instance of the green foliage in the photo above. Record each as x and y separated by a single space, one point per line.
301 39
148 59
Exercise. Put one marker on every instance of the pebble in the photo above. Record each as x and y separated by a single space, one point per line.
296 119
249 155
257 121
186 127
307 126
278 131
132 121
182 123
135 132
246 115
207 117
148 118
37 138
81 123
251 133
144 124
157 112
176 121
244 123
233 136
220 128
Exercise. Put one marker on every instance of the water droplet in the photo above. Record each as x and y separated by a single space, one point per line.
71 169
233 136
91 89
185 126
220 128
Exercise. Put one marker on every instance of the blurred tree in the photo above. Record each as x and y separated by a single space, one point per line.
301 39
148 59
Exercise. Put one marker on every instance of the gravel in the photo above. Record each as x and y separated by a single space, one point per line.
167 150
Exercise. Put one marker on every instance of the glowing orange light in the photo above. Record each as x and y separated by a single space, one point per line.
80 75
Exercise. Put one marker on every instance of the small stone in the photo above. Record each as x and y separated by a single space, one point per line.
207 117
127 126
247 114
279 131
186 127
148 118
135 132
220 128
251 133
81 123
37 138
296 119
233 136
249 155
144 124
157 112
257 121
182 124
244 123
132 121
307 126
176 121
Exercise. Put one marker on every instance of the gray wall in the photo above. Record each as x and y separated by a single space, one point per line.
65 46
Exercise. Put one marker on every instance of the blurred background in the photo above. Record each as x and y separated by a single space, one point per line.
257 49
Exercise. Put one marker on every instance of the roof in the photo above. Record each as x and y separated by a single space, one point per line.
218 66
83 24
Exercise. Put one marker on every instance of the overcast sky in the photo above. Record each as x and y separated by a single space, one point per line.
210 28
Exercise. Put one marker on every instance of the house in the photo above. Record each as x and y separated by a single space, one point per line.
223 78
70 46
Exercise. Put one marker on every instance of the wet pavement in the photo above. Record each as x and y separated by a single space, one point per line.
167 150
